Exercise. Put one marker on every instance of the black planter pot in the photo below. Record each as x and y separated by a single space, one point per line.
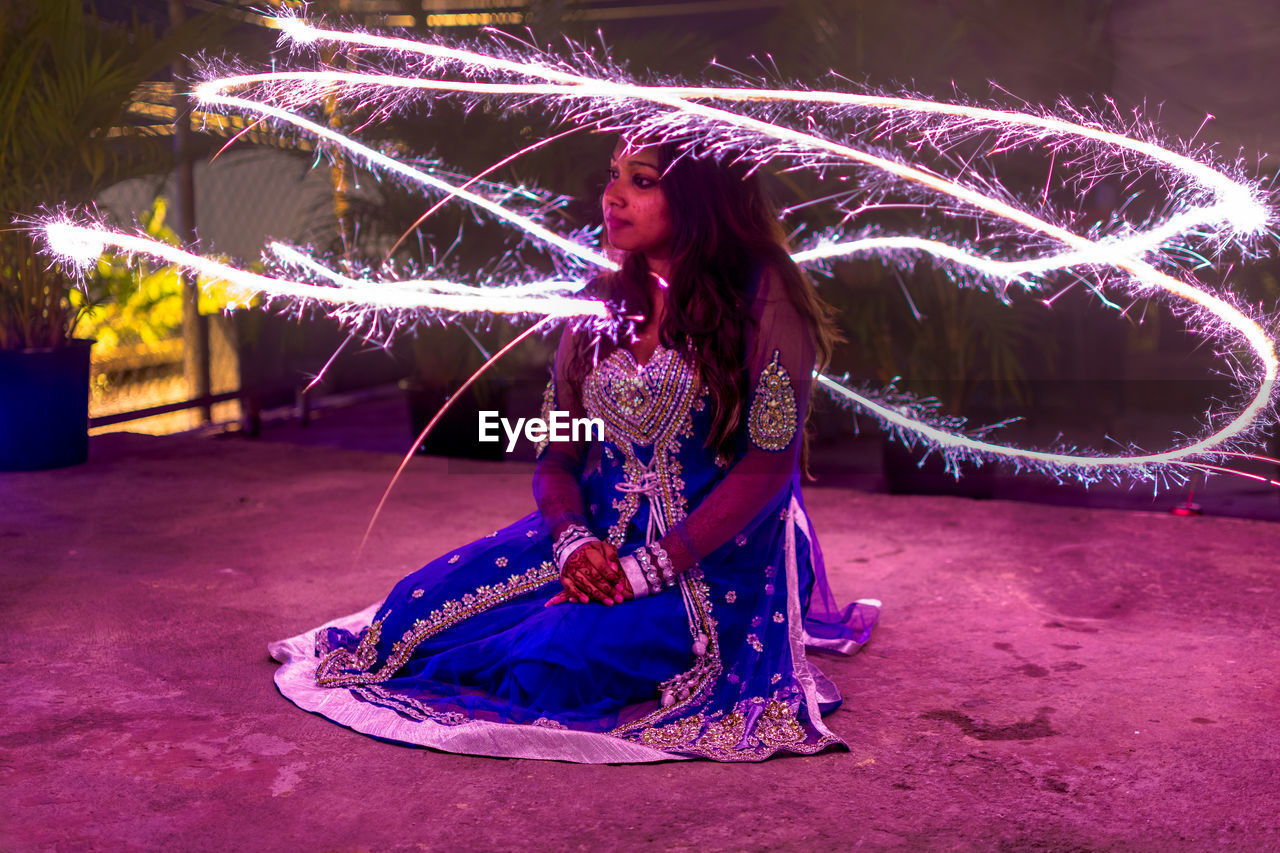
44 407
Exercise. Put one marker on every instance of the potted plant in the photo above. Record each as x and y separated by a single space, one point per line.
67 80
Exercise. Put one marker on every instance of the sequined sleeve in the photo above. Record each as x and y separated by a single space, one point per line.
780 363
556 480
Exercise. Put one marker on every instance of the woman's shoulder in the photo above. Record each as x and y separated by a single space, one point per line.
777 304
773 279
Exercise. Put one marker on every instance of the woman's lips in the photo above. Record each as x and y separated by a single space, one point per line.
614 224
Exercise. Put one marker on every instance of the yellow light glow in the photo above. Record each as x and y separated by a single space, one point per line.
474 19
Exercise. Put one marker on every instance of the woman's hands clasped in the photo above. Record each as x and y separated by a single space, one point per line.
593 573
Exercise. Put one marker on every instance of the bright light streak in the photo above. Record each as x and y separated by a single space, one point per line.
376 160
975 448
74 242
1248 212
1102 253
1216 209
550 287
74 245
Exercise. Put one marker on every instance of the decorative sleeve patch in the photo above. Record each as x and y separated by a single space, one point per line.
548 406
772 420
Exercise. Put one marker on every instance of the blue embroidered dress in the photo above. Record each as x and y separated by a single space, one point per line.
463 656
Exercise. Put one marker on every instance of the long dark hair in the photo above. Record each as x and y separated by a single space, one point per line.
725 230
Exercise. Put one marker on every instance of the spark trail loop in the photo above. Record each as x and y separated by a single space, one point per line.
1210 211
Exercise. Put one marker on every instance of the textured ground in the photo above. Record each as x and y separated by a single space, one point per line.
1044 678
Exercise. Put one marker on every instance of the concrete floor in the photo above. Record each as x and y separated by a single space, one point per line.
1044 678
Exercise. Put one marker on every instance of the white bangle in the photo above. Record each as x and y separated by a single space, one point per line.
568 549
635 577
570 540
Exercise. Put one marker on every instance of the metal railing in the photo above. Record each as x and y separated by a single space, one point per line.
168 408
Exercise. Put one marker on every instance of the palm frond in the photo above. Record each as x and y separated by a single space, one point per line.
67 81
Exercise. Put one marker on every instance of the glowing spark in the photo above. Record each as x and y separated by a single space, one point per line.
484 295
980 449
376 160
498 165
82 245
1212 208
320 374
74 245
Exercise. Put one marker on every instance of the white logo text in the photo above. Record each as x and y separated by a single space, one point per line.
559 427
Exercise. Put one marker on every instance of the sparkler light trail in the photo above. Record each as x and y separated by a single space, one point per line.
1209 211
81 245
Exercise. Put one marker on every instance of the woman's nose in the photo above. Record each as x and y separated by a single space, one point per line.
612 198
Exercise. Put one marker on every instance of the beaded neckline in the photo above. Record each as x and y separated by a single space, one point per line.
640 403
658 351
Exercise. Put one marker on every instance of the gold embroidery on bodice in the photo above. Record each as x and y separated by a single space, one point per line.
641 404
646 405
652 405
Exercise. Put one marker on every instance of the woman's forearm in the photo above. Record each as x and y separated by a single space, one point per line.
557 489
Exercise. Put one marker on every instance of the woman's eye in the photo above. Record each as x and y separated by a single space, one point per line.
613 174
643 183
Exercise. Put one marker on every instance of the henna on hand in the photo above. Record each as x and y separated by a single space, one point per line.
593 573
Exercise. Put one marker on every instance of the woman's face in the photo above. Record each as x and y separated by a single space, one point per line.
637 217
